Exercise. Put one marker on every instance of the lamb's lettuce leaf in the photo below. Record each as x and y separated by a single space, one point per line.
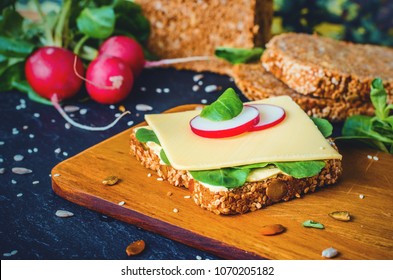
144 135
238 55
301 169
324 126
226 107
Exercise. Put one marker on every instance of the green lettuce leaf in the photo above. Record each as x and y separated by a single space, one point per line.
238 55
301 169
144 135
226 107
227 177
324 126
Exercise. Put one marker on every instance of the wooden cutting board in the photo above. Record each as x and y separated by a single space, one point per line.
369 235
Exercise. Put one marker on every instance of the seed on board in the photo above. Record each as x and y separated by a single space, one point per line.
197 77
195 88
21 170
169 193
187 196
361 196
71 108
110 180
272 229
329 253
64 213
313 224
175 210
2 170
135 248
341 215
121 203
211 88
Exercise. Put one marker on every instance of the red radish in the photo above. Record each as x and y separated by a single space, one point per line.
221 129
131 52
269 116
108 79
52 72
49 70
127 49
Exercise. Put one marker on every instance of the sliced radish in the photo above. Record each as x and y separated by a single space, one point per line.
243 122
269 116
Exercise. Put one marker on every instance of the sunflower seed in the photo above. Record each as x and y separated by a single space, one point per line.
64 213
21 170
313 224
71 108
341 215
329 253
143 107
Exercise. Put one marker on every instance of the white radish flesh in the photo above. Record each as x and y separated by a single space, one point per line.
221 129
269 116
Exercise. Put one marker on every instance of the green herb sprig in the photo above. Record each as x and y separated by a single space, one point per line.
375 131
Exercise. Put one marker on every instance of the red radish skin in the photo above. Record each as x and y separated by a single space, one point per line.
50 70
108 80
270 115
127 49
223 129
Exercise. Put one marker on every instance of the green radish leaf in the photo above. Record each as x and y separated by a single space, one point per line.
227 177
324 126
238 55
15 48
301 169
226 107
144 135
11 23
98 23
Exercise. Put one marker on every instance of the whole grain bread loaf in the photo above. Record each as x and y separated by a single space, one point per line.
327 68
250 197
256 83
184 28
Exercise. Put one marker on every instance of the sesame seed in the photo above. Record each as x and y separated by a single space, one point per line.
130 123
2 170
169 193
166 90
19 195
121 203
200 83
197 77
56 175
53 120
198 257
117 115
158 90
175 210
361 196
67 125
149 175
112 107
31 136
2 143
195 88
143 107
37 115
29 151
18 157
187 196
65 154
211 88
36 182
142 88
375 158
35 150
25 127
160 179
83 111
369 157
13 181
58 151
204 101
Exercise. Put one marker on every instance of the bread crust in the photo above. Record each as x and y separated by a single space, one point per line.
182 28
256 84
324 67
250 197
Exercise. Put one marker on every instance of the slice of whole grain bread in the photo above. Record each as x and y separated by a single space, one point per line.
250 197
185 28
256 83
324 67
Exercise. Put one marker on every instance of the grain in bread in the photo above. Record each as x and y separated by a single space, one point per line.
250 197
184 28
327 68
256 83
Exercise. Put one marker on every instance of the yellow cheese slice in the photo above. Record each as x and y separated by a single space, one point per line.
295 139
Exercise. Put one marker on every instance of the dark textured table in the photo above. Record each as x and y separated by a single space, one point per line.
34 136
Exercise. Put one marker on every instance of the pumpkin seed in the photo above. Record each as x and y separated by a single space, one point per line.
341 215
313 224
135 248
110 180
272 229
329 253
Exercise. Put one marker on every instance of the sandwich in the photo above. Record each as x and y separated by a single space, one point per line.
235 157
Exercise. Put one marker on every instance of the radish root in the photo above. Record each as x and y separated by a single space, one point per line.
151 64
55 102
116 81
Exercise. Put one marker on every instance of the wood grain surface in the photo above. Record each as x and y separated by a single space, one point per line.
369 235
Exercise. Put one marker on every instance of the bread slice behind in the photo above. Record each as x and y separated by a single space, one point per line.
327 68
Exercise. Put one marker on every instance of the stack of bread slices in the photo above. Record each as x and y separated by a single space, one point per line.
326 77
